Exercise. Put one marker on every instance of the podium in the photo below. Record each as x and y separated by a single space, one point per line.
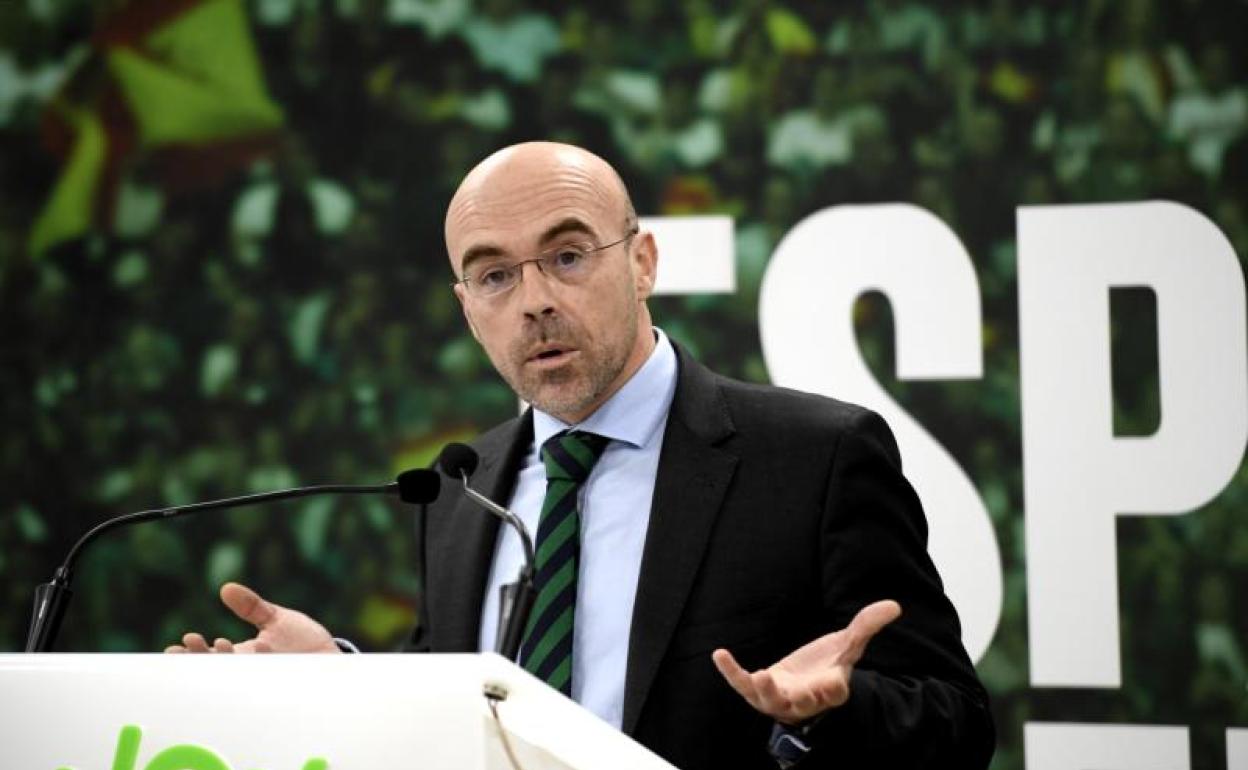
296 712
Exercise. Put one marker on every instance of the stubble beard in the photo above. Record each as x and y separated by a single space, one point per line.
570 389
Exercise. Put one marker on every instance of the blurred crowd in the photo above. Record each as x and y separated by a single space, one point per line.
245 309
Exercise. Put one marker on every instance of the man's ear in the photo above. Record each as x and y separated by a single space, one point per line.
463 305
645 264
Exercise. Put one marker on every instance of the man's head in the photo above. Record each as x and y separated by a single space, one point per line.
566 344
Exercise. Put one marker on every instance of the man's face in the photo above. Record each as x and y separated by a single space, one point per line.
563 347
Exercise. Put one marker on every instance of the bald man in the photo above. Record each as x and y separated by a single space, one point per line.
736 575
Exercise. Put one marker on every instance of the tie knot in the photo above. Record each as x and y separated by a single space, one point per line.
571 455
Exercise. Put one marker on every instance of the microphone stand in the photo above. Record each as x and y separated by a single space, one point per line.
52 598
516 600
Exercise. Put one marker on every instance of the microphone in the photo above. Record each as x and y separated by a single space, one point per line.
459 461
417 486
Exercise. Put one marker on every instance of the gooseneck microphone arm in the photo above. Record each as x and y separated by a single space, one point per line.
516 601
229 502
52 598
525 540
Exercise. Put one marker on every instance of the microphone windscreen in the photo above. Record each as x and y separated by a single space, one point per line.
419 485
457 460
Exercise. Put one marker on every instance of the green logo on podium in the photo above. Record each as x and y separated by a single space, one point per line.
184 757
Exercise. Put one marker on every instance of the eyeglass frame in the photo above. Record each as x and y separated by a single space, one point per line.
518 267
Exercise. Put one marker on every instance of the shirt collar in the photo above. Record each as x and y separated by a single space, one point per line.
635 412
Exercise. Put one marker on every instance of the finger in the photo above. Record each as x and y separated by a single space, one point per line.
804 699
194 642
772 700
738 678
222 645
252 645
830 689
869 621
248 605
174 649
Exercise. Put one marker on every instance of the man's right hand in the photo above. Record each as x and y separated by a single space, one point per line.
278 628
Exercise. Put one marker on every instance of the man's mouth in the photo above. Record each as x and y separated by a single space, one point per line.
551 355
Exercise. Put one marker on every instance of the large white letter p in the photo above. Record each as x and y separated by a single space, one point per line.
1079 477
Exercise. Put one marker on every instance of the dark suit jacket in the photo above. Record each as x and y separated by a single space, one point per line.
777 515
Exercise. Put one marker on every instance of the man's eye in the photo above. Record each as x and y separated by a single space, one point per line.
492 277
567 257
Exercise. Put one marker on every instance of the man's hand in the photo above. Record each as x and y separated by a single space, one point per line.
814 678
279 629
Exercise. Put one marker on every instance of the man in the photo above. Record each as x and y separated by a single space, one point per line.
690 528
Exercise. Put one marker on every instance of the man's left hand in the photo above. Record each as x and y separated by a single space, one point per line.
813 678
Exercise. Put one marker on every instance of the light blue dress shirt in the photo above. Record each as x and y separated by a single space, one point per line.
615 514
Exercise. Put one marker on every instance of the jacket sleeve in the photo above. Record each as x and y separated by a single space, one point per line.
915 700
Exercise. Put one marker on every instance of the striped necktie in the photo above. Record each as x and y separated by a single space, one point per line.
547 648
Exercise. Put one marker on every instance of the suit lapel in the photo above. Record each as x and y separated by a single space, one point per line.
462 537
693 476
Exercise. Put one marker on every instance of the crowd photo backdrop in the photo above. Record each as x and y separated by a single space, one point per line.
222 271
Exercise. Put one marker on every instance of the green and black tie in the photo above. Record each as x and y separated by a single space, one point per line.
547 648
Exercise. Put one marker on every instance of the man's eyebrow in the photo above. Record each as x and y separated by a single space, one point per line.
569 225
478 252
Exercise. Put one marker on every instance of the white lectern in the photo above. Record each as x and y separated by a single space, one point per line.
295 712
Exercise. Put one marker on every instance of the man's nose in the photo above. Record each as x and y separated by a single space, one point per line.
535 291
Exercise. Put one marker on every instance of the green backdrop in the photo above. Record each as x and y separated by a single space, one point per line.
221 269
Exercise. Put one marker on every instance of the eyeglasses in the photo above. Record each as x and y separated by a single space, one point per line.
568 263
